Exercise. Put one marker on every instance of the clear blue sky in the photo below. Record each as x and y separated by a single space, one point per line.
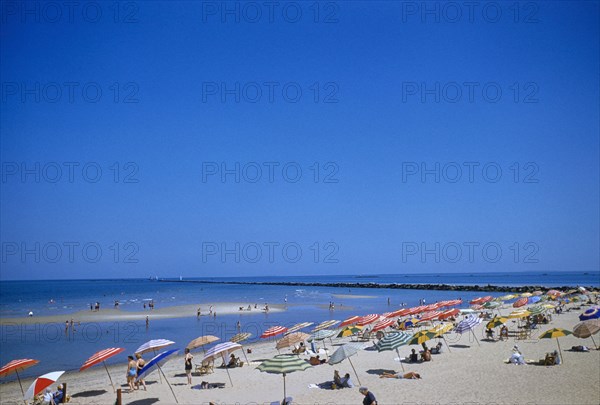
371 129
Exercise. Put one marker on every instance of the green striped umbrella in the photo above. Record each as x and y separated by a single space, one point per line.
536 310
422 337
392 341
492 304
283 364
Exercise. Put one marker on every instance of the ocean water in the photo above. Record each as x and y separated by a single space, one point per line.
58 350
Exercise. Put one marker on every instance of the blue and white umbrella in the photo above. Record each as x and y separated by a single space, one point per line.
155 363
468 324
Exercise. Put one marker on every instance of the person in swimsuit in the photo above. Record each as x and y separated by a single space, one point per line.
188 365
140 365
131 372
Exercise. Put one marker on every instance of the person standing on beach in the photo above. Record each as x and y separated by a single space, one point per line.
140 365
369 398
131 372
188 365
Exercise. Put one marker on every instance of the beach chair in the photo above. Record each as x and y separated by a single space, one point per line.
314 351
550 360
366 336
205 368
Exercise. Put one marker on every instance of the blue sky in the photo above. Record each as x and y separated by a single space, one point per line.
366 95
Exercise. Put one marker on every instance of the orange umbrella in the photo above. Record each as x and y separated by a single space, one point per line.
520 302
100 357
14 366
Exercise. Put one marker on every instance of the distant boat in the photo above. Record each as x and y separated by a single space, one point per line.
180 278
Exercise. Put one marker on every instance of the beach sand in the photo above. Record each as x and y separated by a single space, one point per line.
471 372
110 315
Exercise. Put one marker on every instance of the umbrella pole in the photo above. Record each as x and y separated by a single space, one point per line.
355 373
284 394
109 377
21 385
226 368
172 392
246 357
474 336
594 342
447 345
159 376
562 359
400 358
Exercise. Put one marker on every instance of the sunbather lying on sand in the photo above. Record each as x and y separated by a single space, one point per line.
411 375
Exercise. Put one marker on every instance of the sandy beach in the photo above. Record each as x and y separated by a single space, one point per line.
471 372
171 312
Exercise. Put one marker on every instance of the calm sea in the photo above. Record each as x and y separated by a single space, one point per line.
59 351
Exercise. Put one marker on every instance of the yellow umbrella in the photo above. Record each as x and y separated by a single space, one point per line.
440 329
526 295
549 306
555 333
507 297
497 321
349 331
518 314
421 337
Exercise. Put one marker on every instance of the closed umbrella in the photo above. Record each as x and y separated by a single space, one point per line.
222 350
15 366
555 333
283 364
273 331
325 325
101 357
345 352
155 363
42 382
240 337
392 341
201 341
586 329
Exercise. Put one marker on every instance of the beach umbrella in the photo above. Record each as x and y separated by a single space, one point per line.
283 364
422 337
492 304
440 330
506 297
467 311
345 352
298 326
548 306
153 346
395 314
321 335
101 357
392 341
591 313
325 325
292 339
349 331
538 309
155 363
497 321
350 321
409 322
468 325
448 313
15 366
586 329
382 324
273 331
429 316
222 350
555 293
42 382
521 313
520 302
526 294
480 300
367 319
240 337
555 333
201 341
538 292
534 299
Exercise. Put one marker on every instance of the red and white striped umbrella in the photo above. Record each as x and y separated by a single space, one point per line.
367 319
42 382
273 331
15 366
395 314
100 357
481 300
350 321
520 302
411 311
431 307
429 316
382 324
